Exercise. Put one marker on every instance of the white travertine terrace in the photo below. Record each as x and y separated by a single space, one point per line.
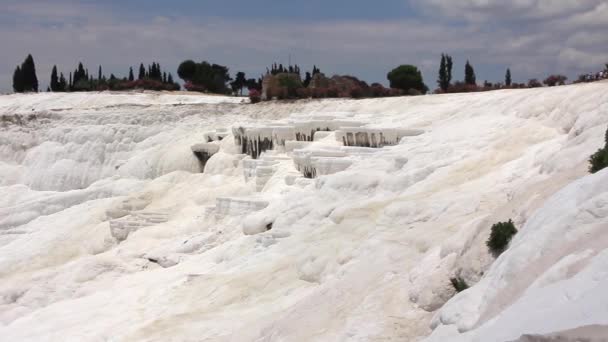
373 137
110 232
238 206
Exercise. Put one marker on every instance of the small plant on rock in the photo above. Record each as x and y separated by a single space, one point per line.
254 96
599 160
502 233
459 284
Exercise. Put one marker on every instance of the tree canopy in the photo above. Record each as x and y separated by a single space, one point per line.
204 76
407 77
24 77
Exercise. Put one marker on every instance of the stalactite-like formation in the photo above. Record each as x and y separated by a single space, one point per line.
203 152
373 137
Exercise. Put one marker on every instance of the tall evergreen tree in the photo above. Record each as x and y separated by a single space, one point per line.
79 74
62 83
142 72
18 86
131 76
307 79
442 80
99 74
469 75
28 70
449 65
508 78
170 79
71 84
54 79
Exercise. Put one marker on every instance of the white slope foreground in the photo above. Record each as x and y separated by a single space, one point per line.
363 254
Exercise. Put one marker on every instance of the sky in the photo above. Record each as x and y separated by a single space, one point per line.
366 39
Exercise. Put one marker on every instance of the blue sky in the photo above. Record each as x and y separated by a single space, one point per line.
361 38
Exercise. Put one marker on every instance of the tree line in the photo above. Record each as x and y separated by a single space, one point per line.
215 78
152 78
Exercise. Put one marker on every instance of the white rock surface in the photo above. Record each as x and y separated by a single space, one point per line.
362 254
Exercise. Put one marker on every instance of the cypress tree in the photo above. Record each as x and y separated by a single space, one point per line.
307 79
508 78
99 77
469 75
54 79
62 83
442 80
170 79
71 84
164 77
79 74
18 86
142 72
131 77
28 70
449 64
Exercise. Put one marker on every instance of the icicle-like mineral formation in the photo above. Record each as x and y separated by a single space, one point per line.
373 137
233 206
203 152
253 140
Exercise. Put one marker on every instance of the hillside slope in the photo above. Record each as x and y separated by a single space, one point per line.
110 231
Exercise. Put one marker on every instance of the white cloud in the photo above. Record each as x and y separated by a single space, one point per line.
514 10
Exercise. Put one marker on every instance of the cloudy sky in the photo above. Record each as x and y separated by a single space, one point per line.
358 37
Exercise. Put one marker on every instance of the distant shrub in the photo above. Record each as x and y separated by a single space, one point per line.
554 80
534 83
303 93
599 160
395 92
356 93
319 93
282 93
501 235
194 87
459 284
461 87
378 90
413 92
146 84
255 96
332 92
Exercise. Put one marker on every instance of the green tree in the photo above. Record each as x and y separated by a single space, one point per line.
62 86
407 77
18 85
599 160
508 78
187 70
469 74
239 82
99 74
54 79
131 76
142 72
443 80
501 235
170 79
28 71
210 77
449 65
307 79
